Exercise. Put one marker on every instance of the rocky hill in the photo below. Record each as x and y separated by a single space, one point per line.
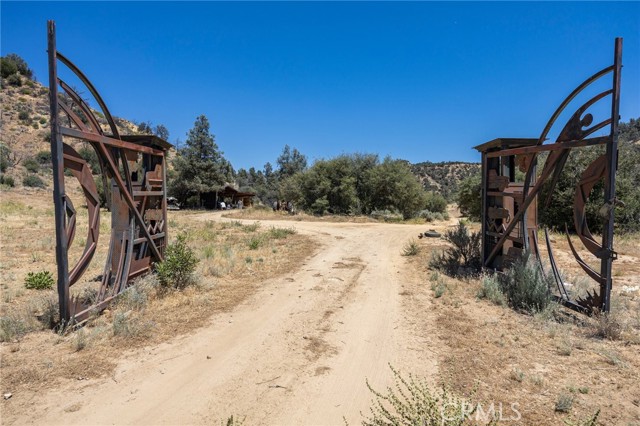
444 177
25 134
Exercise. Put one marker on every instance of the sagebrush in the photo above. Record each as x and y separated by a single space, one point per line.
412 401
462 258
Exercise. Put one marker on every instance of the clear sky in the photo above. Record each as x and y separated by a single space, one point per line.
418 81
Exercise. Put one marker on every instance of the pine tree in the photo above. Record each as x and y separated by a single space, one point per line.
200 166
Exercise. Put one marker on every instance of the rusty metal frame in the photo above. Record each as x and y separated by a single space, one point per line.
134 178
509 212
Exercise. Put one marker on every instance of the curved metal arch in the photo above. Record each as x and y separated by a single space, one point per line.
82 172
569 98
93 91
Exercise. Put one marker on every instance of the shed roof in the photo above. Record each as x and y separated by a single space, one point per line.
505 143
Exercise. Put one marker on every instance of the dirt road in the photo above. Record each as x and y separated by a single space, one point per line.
298 352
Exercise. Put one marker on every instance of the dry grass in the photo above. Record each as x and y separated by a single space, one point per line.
33 355
557 365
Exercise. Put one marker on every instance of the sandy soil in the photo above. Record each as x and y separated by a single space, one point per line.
297 352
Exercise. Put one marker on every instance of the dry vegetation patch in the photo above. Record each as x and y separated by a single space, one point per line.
234 261
559 367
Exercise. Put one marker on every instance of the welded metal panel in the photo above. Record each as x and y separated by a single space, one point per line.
134 178
509 210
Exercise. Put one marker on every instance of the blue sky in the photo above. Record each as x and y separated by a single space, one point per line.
418 81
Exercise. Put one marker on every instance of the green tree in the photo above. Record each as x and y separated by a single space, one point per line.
397 188
20 64
200 166
469 196
290 162
161 131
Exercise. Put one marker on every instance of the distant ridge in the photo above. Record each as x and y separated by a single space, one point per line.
444 177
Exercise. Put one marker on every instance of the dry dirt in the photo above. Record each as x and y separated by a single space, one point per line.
298 348
297 352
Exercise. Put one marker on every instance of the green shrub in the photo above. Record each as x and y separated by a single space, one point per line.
255 242
25 91
430 216
5 157
126 324
89 155
43 120
279 233
411 248
463 257
435 202
7 180
492 290
469 198
43 157
412 401
31 164
42 280
23 115
176 271
7 67
12 327
525 286
564 403
14 80
33 181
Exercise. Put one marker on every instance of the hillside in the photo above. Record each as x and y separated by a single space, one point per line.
444 177
24 129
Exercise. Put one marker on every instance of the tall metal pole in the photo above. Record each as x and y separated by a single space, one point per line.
59 195
610 182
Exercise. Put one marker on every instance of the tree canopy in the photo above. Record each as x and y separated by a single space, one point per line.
199 166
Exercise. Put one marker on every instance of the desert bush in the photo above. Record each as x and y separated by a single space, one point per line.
469 198
176 271
462 258
492 291
14 80
525 285
23 115
12 327
412 401
280 233
125 324
7 180
31 164
564 403
43 157
8 67
386 215
42 280
435 202
33 181
255 242
607 325
133 298
430 216
411 248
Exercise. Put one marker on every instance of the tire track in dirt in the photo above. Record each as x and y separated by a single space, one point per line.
298 352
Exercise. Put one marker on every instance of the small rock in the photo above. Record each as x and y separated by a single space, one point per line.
7 395
208 357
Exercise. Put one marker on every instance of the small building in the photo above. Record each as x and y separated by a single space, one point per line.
229 195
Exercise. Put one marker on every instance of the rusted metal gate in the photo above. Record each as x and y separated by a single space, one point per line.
509 208
134 178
